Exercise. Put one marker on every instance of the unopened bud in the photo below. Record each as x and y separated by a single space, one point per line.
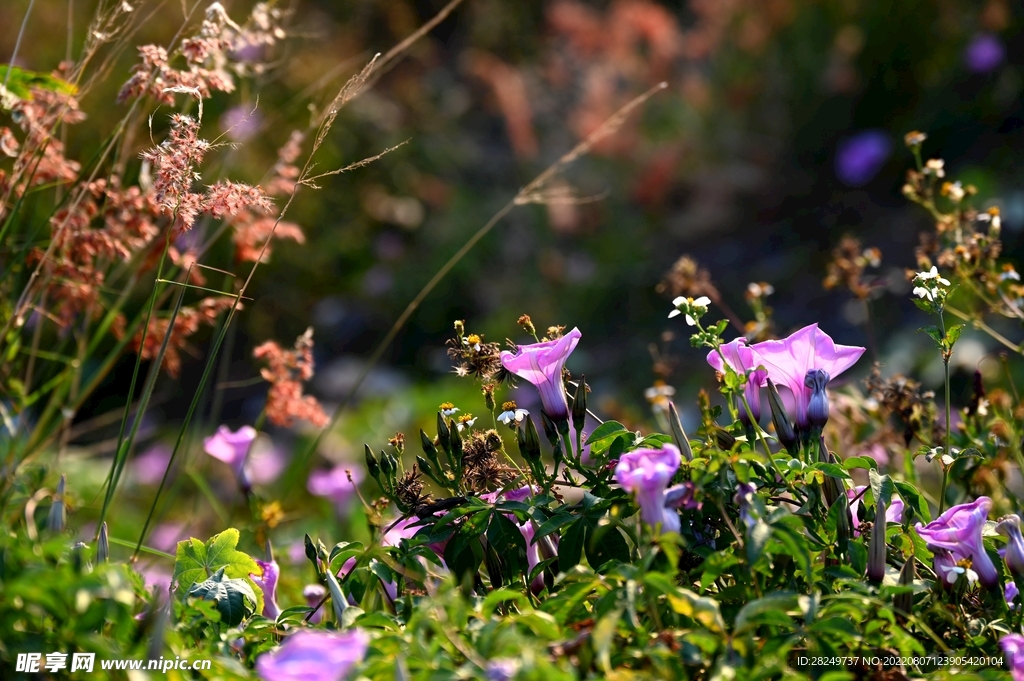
876 547
780 419
817 406
678 434
103 544
531 439
58 512
579 405
903 602
460 328
372 467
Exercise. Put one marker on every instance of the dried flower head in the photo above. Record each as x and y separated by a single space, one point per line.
847 266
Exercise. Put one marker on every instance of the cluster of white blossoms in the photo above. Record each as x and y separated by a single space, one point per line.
693 309
930 285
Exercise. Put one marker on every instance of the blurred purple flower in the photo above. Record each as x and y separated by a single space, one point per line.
646 473
166 536
984 53
156 576
1013 554
1013 649
741 358
958 531
335 485
314 655
267 581
520 494
789 360
266 462
232 448
744 498
314 593
240 123
1010 593
403 529
503 669
149 466
893 514
877 452
860 157
541 364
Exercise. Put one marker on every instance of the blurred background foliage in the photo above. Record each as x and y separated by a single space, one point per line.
780 133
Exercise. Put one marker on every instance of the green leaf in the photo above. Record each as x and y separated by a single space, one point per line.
686 603
605 431
605 543
932 330
757 538
881 487
235 599
832 470
510 546
20 82
195 562
570 548
463 554
860 462
915 500
953 334
767 610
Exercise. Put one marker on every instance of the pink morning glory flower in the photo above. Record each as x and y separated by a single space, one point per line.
646 473
334 484
232 448
267 581
314 655
958 531
541 364
893 514
1013 649
1013 554
788 362
739 355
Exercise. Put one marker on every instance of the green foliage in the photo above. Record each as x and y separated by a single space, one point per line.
196 563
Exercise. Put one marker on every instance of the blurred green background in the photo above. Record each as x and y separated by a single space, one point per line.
780 132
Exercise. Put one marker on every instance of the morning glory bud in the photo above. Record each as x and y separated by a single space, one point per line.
783 426
1013 554
876 547
817 407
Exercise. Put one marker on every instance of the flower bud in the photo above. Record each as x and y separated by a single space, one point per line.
1013 554
549 429
678 434
530 442
783 426
579 405
905 601
876 547
443 435
58 513
817 407
103 544
428 448
371 464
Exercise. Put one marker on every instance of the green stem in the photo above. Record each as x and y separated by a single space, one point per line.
945 449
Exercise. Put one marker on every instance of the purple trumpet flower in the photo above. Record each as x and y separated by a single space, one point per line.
267 581
1010 593
958 531
1013 649
232 448
314 655
541 364
744 498
789 361
646 473
739 355
1013 554
893 514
